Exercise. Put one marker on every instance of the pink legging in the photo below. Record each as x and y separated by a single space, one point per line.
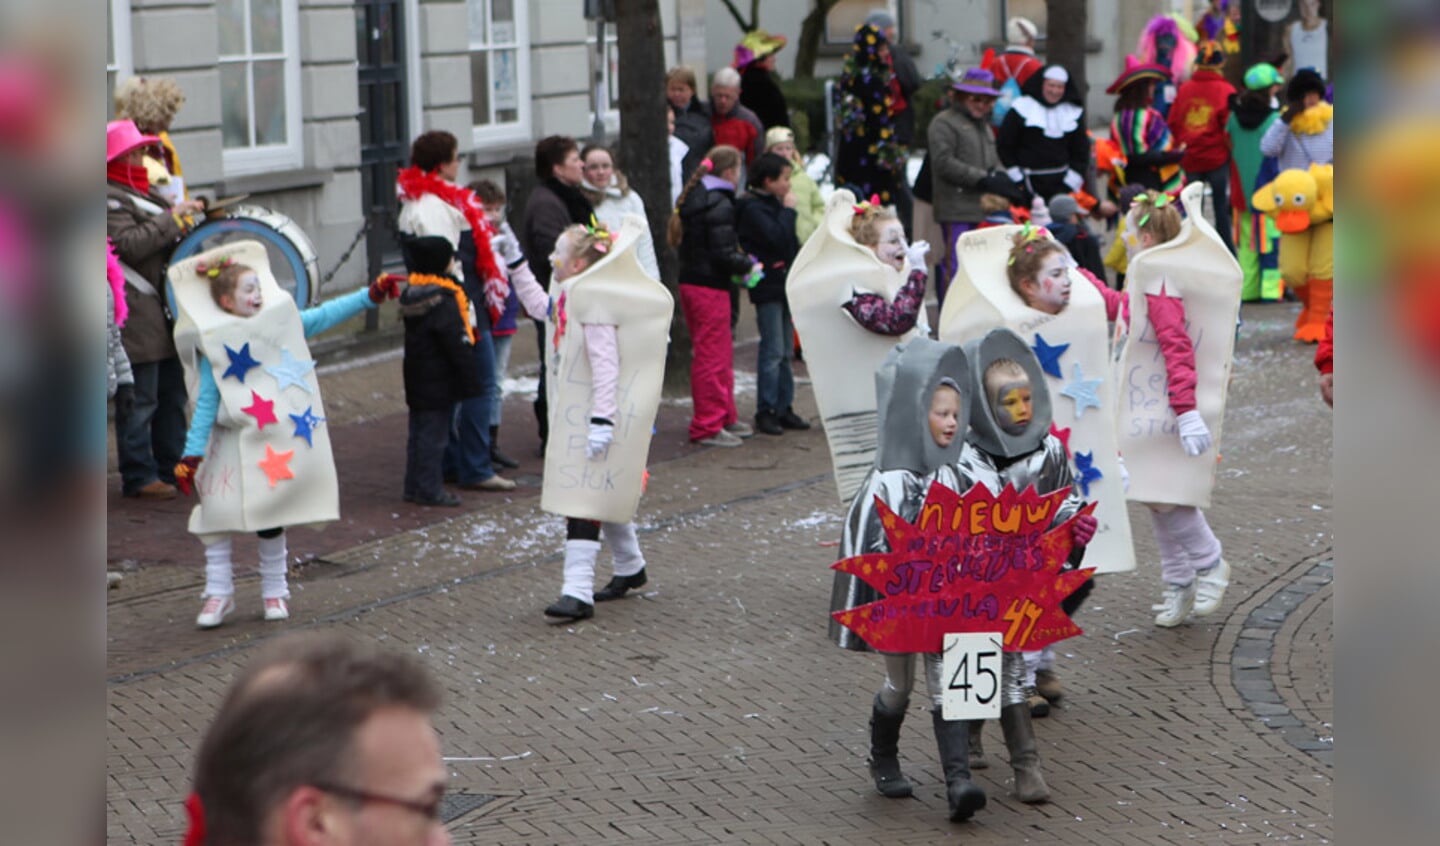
1187 546
712 359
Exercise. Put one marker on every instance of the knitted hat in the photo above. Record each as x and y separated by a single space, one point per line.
756 45
1211 55
1062 206
1262 76
1135 71
429 254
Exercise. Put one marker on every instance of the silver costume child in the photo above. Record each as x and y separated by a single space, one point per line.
1009 444
923 397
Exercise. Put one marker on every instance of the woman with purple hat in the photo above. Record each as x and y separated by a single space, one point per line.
145 228
964 163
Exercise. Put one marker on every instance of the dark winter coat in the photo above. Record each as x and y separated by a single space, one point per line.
439 356
962 152
1022 141
710 253
767 231
693 127
546 216
761 94
144 242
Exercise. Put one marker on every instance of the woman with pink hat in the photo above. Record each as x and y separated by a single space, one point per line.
1151 157
145 228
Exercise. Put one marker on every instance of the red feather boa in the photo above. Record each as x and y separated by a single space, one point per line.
412 183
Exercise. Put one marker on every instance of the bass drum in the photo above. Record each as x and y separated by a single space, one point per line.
292 256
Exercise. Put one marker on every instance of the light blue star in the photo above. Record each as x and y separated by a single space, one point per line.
240 363
291 371
1087 472
1082 390
305 424
1049 356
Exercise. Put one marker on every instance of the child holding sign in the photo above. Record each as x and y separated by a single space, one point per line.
923 394
1009 444
607 323
240 315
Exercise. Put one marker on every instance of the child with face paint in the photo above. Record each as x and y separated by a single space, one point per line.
1039 271
923 396
1009 444
878 228
236 290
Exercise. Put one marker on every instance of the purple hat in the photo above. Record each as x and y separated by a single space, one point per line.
977 81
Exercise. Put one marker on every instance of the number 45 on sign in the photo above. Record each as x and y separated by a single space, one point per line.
970 669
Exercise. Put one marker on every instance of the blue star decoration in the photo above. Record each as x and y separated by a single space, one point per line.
240 363
1085 471
291 371
1081 390
305 425
1049 356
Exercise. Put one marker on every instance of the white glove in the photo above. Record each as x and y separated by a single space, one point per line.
1194 434
916 253
507 247
601 434
1073 180
1124 475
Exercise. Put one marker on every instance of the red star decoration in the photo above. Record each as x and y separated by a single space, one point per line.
261 409
277 465
972 563
1063 435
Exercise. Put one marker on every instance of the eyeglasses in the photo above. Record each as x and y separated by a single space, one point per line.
429 809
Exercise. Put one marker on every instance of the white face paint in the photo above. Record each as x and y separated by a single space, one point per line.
1052 291
891 248
247 298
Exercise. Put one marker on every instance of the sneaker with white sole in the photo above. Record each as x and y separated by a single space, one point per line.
277 609
721 438
739 429
1211 590
214 611
1175 605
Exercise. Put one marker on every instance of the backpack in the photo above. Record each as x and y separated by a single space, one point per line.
1009 93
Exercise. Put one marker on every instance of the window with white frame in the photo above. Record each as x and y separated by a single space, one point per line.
259 84
609 73
499 69
118 62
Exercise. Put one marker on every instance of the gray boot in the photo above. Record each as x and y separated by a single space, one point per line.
1024 756
978 761
953 738
885 751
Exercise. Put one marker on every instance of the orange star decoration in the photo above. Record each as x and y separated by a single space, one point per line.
974 563
277 465
261 409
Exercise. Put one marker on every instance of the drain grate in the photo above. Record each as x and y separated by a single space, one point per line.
457 805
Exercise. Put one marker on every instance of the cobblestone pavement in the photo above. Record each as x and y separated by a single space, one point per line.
712 708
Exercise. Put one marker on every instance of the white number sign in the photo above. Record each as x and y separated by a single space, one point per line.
970 671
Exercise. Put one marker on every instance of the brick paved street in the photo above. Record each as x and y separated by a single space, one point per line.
712 709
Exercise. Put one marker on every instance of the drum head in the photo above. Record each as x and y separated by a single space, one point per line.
292 256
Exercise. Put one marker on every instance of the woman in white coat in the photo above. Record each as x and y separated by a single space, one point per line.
609 192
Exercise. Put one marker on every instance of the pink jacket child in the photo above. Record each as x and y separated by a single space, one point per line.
576 249
1194 574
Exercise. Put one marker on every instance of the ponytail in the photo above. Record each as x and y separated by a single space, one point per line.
720 159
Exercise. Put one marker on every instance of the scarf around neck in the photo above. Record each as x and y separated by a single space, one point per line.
131 176
412 183
576 205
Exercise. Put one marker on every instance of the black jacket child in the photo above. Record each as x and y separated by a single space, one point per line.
439 353
767 231
710 253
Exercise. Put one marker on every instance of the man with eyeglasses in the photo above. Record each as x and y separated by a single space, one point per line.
321 740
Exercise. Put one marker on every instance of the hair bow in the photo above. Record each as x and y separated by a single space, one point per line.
866 205
213 270
1157 201
602 236
707 164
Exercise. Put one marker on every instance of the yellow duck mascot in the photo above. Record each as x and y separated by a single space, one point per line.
1302 202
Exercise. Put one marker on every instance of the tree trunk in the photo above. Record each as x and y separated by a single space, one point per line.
1065 38
812 29
645 150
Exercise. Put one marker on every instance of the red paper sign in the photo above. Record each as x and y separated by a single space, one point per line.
974 563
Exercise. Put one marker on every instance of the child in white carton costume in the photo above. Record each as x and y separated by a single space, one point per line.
606 326
258 451
1174 352
855 291
1021 278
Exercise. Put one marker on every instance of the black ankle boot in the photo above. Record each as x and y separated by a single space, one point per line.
953 738
498 457
885 751
569 607
619 585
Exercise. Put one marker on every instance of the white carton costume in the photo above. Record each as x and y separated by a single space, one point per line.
843 356
1196 267
980 299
